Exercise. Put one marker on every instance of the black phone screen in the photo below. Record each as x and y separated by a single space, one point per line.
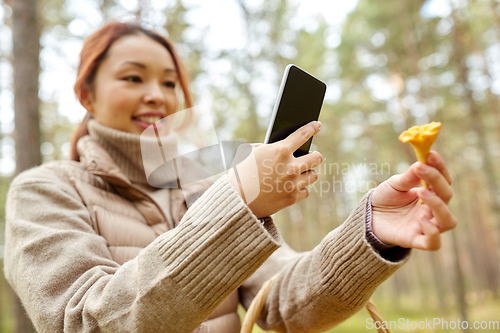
300 103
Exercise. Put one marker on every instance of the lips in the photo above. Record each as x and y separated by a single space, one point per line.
149 120
145 120
141 124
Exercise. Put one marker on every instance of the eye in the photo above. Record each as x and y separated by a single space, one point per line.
133 78
169 84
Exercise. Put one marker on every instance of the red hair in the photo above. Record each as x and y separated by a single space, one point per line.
94 51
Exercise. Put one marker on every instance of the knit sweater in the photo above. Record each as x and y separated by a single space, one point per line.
67 280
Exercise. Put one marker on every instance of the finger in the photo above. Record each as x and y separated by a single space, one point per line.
406 181
307 178
303 193
431 238
295 140
256 144
435 160
435 180
307 162
443 218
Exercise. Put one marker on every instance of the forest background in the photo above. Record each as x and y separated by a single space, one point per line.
388 64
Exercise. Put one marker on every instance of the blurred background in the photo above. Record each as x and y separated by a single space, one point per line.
388 65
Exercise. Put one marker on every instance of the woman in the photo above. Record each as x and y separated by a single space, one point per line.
91 246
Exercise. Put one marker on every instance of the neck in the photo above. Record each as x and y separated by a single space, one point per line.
125 149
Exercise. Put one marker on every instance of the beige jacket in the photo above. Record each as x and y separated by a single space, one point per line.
91 247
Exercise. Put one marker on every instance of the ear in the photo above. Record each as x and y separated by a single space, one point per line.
86 98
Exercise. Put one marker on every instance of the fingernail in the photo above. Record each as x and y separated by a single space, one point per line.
318 123
319 154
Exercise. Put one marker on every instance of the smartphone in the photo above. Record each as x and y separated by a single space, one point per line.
299 102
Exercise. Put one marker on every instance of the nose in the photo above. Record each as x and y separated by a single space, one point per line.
154 95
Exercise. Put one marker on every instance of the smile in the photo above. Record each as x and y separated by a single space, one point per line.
145 122
147 119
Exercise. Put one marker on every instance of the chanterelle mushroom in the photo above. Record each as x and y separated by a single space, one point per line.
421 138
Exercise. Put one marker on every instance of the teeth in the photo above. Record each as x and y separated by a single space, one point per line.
149 120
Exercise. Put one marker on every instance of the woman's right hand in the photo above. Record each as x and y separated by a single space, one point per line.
271 178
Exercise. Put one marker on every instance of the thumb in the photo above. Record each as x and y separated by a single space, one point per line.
406 181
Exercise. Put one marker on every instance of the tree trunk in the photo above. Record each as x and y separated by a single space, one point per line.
437 275
26 48
486 242
476 119
459 285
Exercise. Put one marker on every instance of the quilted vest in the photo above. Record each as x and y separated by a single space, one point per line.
129 219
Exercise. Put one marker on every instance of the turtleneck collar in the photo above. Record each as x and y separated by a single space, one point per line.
117 156
125 148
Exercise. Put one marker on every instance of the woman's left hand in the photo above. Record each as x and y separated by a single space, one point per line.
397 216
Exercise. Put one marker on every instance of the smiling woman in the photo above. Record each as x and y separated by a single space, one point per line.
91 246
138 78
136 81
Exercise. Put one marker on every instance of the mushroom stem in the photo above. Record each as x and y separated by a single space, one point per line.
421 138
422 158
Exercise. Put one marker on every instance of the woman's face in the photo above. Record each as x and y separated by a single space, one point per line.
134 85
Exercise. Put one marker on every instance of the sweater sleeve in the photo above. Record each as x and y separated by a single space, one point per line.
374 241
314 291
67 280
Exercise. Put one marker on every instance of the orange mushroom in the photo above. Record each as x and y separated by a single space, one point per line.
421 138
